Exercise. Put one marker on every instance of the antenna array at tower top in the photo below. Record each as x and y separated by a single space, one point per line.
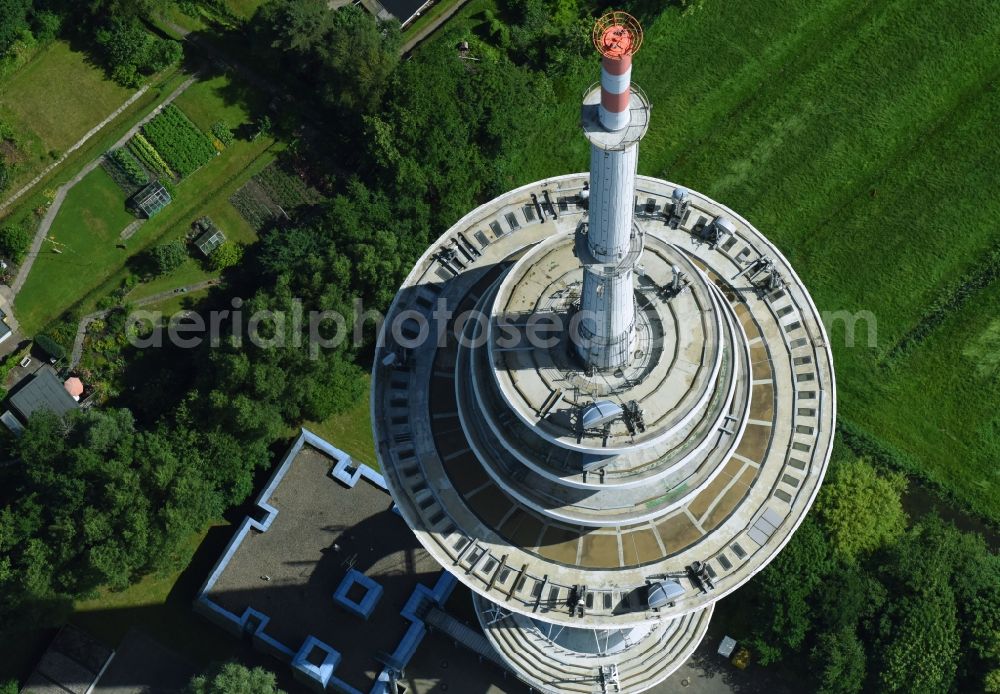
617 34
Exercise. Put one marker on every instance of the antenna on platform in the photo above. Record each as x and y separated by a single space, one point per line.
617 35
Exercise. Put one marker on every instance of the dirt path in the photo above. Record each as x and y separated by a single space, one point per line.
81 331
61 192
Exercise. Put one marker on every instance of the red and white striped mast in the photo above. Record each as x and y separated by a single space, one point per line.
615 117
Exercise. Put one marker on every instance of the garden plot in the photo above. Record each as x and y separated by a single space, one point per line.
274 193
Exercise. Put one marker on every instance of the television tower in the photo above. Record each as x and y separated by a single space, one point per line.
614 241
623 413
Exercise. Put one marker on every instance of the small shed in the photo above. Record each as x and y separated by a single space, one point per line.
209 241
152 199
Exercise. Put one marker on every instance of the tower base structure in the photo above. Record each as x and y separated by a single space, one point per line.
553 658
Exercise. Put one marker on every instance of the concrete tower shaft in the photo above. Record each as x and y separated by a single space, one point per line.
612 202
607 333
607 329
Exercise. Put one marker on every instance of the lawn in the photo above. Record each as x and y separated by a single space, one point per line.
178 302
53 101
350 431
209 101
86 231
430 14
862 139
244 8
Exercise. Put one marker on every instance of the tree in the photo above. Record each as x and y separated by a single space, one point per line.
859 509
162 54
234 678
781 594
15 240
13 21
949 570
920 652
225 256
168 256
131 51
838 658
346 47
297 25
854 597
98 502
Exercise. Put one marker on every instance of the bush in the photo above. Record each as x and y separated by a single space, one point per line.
47 25
222 131
163 54
15 240
50 346
234 678
168 256
226 255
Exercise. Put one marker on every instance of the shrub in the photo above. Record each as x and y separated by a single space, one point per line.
222 131
50 346
168 256
15 240
226 255
47 25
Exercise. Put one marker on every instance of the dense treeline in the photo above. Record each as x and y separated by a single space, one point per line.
113 30
872 603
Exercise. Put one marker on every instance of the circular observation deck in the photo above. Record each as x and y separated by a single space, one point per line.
479 443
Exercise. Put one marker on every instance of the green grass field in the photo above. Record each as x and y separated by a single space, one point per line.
86 230
53 101
862 139
209 101
244 8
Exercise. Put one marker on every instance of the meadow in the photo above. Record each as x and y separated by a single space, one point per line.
52 101
862 139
